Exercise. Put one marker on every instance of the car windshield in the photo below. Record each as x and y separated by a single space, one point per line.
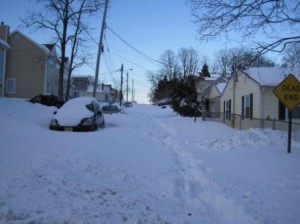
90 107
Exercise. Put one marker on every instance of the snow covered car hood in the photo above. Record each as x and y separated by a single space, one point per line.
73 111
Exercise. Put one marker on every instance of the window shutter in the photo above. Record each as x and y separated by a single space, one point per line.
251 106
243 109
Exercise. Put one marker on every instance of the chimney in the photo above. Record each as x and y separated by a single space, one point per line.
4 31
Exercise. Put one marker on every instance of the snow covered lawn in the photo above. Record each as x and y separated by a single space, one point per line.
146 166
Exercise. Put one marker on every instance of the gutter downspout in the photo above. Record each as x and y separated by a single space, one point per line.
233 103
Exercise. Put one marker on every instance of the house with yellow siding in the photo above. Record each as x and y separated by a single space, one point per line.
31 68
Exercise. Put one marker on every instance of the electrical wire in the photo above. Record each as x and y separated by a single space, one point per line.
154 61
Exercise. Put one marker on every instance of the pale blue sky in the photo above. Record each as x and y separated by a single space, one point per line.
151 26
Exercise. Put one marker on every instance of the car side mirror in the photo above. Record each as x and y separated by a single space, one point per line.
99 112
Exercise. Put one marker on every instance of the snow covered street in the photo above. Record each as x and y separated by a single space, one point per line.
147 165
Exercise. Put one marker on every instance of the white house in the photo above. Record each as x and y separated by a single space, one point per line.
248 97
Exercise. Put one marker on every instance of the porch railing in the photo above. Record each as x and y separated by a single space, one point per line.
236 121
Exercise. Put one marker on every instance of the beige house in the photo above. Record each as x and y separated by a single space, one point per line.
4 46
31 68
248 99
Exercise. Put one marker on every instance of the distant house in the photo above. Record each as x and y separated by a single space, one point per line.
84 86
203 85
32 68
4 46
208 94
100 92
248 97
214 99
81 84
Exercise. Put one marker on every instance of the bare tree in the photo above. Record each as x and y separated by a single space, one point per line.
247 17
222 62
227 60
64 19
170 66
291 55
189 61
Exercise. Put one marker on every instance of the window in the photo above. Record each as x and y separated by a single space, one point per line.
91 107
247 106
227 109
10 87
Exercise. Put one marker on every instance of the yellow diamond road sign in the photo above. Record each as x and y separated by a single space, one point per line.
288 92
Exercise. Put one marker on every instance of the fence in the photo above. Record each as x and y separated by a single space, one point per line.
236 121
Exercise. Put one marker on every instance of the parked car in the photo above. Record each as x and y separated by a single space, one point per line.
47 100
128 104
110 109
78 114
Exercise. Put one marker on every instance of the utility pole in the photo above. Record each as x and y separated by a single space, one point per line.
127 90
132 91
100 48
121 88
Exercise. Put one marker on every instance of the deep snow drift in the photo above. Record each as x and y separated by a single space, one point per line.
146 166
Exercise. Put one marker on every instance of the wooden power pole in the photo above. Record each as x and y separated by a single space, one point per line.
100 48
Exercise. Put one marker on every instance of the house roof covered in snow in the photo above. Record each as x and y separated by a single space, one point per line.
271 76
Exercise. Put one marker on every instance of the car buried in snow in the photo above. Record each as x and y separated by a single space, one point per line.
110 109
128 104
47 100
78 114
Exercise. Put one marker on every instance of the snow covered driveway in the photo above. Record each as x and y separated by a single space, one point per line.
147 166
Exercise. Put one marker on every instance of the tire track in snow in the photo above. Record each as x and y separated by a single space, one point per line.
194 187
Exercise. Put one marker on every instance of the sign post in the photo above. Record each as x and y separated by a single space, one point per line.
288 92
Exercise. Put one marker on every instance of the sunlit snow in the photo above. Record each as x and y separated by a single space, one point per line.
148 165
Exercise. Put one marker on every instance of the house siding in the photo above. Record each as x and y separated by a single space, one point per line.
270 102
234 91
51 74
227 94
246 86
26 63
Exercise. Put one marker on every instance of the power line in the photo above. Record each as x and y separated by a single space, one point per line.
154 61
108 67
140 66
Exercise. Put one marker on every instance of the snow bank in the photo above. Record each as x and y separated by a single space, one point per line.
147 166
